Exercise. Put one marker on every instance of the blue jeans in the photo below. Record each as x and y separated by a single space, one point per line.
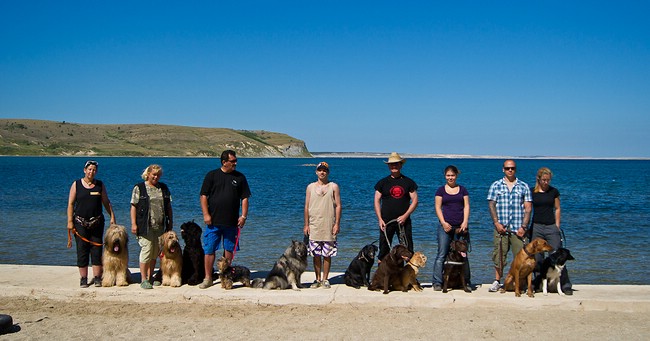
444 240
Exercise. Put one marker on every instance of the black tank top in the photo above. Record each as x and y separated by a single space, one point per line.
88 203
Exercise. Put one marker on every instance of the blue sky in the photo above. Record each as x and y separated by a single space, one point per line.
519 78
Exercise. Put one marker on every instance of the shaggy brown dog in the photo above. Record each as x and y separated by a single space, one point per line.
407 277
171 263
389 267
229 274
522 267
115 259
455 266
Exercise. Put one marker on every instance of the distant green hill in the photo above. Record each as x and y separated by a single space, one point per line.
38 137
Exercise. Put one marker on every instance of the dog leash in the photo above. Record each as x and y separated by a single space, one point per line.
81 237
401 235
563 238
234 251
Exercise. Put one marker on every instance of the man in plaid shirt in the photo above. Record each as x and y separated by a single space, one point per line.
510 203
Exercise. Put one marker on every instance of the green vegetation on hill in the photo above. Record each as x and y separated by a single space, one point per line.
38 137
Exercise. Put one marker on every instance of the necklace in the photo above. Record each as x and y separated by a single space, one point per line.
88 184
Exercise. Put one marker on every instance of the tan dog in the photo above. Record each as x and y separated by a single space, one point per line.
171 264
115 259
407 277
522 267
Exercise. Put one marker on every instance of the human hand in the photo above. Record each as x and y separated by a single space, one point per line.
134 229
335 229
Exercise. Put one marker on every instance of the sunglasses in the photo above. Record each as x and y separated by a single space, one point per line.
509 168
91 163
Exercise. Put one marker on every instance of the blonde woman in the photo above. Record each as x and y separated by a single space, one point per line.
547 215
151 216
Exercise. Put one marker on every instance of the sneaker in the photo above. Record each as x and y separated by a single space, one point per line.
568 292
205 284
98 281
437 287
495 287
84 282
146 285
326 284
316 284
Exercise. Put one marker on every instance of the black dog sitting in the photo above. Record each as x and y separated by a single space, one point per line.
358 273
455 267
193 255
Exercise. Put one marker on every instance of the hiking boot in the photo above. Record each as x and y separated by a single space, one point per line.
316 284
84 282
146 285
326 284
98 281
495 286
437 287
205 284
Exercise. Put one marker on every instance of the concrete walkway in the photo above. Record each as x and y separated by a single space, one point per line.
62 283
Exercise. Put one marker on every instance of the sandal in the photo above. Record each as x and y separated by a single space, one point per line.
316 284
146 285
326 284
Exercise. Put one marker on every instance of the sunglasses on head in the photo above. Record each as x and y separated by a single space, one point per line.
91 163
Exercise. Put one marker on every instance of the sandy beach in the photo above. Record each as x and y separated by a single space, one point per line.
46 302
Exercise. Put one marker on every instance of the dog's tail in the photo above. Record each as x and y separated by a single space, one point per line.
258 283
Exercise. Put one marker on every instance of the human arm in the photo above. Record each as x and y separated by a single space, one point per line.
464 224
337 210
492 205
134 225
108 206
382 224
414 204
438 205
528 208
70 209
244 213
558 214
207 219
305 229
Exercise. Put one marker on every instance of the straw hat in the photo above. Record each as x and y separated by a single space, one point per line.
395 158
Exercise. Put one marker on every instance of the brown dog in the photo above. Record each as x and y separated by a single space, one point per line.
522 267
228 274
389 267
407 277
116 257
171 263
455 267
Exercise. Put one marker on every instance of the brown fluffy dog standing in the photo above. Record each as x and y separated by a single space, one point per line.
171 263
522 267
407 277
115 259
389 267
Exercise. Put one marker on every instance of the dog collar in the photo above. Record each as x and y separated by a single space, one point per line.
454 263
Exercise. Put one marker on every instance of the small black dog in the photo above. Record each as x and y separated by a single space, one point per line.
193 255
455 267
551 271
358 272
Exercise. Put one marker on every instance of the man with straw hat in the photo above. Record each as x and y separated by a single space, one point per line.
396 198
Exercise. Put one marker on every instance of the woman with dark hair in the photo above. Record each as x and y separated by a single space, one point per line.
452 210
86 219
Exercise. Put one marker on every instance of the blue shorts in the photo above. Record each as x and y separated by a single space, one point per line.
212 236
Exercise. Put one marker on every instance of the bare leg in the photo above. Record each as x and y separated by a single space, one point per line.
209 264
83 272
327 262
317 268
97 271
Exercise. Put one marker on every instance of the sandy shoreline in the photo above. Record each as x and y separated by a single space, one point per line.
46 302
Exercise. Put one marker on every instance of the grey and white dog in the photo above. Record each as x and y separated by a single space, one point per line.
287 270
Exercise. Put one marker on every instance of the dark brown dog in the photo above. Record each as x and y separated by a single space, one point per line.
389 267
407 277
455 265
522 267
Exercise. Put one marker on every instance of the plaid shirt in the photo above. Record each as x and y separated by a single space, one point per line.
510 204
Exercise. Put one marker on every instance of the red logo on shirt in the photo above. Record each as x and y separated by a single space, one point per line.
397 192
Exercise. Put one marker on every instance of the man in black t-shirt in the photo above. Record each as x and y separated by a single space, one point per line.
222 192
396 198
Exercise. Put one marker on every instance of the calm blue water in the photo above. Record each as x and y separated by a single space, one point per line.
605 208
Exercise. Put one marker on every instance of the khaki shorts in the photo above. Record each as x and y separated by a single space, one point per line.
150 245
508 242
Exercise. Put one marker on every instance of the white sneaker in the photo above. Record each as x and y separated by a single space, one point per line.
495 287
